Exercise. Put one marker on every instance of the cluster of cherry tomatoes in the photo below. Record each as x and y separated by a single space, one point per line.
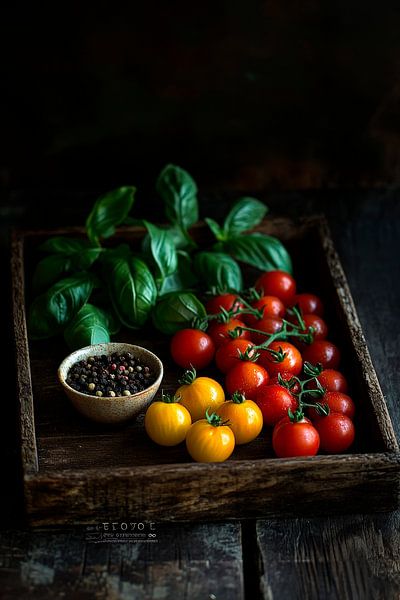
280 371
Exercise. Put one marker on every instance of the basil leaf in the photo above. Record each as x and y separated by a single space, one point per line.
50 312
132 288
49 270
184 277
179 192
162 250
258 250
89 326
109 211
245 214
215 228
64 245
181 239
175 311
218 270
85 258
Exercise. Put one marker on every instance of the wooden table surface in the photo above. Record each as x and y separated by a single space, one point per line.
356 556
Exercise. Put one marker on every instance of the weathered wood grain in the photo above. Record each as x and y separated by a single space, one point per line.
192 561
24 383
352 558
234 489
113 471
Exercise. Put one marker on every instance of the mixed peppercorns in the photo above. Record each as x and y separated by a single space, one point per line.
110 376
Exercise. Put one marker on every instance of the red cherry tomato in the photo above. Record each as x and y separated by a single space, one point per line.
337 402
267 325
274 402
219 332
295 439
222 301
269 306
192 347
336 432
333 381
291 362
308 304
277 283
318 324
286 376
324 352
247 378
229 354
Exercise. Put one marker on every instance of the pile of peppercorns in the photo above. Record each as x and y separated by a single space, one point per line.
110 376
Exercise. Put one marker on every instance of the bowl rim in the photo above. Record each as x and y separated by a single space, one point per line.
106 345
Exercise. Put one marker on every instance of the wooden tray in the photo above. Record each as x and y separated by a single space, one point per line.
75 471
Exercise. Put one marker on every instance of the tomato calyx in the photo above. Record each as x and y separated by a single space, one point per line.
169 398
215 420
278 355
188 377
238 397
249 355
312 370
297 416
289 384
200 323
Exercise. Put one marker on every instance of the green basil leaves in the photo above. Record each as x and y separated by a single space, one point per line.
179 192
258 250
218 270
51 312
109 211
131 286
245 214
161 280
91 325
162 249
177 310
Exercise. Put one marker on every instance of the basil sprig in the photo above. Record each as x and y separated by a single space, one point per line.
161 281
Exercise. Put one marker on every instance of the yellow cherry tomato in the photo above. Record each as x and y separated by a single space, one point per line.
197 394
209 440
167 422
243 416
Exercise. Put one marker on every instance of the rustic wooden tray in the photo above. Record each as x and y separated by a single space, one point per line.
75 471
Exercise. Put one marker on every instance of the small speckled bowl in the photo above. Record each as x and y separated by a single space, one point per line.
120 408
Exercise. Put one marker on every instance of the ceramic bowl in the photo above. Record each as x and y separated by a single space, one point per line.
120 408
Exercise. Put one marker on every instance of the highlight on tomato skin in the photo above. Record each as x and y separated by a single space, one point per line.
221 302
333 381
192 348
210 439
199 394
228 355
275 401
277 283
166 421
243 416
336 432
247 378
292 439
281 356
323 352
219 332
308 304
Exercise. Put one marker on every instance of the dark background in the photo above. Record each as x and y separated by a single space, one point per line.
258 95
